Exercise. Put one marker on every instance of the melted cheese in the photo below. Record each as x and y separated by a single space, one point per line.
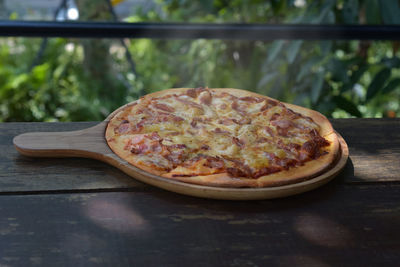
203 132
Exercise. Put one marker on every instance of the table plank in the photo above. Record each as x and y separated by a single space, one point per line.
374 146
20 173
337 225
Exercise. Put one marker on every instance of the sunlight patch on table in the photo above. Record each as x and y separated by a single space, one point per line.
115 215
322 231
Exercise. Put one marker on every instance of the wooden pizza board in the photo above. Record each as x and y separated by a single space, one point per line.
91 143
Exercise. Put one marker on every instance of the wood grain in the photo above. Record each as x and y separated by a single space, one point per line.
25 174
90 143
351 221
374 146
336 225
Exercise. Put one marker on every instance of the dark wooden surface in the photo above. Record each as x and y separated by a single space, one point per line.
79 212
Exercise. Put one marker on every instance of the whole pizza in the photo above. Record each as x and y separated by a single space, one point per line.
222 137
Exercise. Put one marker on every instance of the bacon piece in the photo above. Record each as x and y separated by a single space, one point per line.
275 116
205 147
176 157
219 131
238 142
270 156
262 140
291 114
294 146
239 167
223 106
235 105
235 172
137 139
265 171
214 162
190 103
156 147
318 139
162 117
310 148
226 121
176 118
239 108
303 156
227 96
154 136
242 121
282 131
177 146
122 128
139 149
195 120
205 97
210 162
192 93
269 131
270 103
163 107
285 163
251 99
284 124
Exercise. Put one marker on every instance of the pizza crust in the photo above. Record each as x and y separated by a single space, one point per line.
307 171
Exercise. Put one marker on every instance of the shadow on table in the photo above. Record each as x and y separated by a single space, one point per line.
319 195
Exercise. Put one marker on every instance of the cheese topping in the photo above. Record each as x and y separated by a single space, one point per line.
203 131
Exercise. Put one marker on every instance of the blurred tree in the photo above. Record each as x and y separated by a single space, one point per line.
338 78
3 10
97 59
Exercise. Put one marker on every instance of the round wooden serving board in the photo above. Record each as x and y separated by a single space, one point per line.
91 143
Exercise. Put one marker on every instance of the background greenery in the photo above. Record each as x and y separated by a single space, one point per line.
77 79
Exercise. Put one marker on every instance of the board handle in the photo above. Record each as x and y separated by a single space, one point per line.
88 143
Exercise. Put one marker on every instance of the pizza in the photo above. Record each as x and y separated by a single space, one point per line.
222 137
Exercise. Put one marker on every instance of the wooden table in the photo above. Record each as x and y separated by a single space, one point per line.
80 212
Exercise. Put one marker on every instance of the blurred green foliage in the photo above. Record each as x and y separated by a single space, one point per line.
337 78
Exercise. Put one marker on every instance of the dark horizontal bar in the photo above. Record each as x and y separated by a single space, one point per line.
195 31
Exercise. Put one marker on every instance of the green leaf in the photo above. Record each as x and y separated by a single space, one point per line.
317 87
391 62
300 99
392 85
390 11
355 77
350 12
274 50
266 79
372 11
347 105
292 50
377 83
325 47
18 80
305 69
338 68
324 11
